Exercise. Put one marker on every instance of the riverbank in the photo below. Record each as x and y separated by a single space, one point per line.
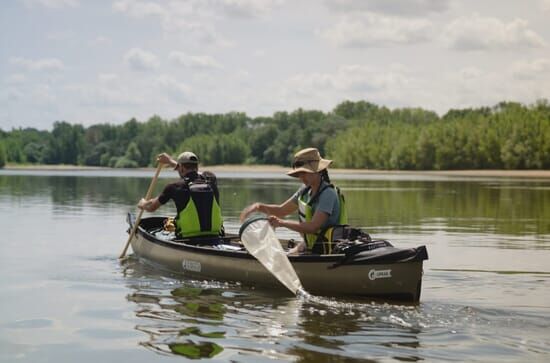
543 174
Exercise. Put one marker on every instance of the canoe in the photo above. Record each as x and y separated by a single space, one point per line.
375 270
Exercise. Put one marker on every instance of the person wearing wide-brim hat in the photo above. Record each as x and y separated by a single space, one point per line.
195 196
317 201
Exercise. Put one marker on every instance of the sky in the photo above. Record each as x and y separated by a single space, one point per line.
99 61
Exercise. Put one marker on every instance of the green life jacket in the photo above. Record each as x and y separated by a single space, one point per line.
305 214
202 214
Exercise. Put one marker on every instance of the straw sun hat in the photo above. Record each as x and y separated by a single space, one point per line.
308 161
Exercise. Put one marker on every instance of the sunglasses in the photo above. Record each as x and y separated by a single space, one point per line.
300 163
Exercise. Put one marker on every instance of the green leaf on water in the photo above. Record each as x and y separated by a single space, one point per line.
213 311
193 350
196 331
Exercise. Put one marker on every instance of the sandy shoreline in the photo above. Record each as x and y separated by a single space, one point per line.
545 174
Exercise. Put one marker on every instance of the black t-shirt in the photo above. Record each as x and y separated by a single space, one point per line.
179 192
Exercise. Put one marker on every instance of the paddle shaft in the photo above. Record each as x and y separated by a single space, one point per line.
138 219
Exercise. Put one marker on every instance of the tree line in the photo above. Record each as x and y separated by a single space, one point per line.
358 134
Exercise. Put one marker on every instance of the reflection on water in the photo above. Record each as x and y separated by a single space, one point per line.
204 319
182 319
511 207
66 297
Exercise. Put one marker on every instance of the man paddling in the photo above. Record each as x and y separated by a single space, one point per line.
195 195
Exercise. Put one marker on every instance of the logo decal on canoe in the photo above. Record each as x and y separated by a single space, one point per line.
379 274
189 265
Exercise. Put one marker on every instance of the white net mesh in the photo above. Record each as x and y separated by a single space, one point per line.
260 240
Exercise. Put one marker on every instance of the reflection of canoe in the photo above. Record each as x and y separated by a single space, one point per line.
379 271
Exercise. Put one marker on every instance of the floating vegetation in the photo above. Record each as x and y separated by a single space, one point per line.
194 350
193 330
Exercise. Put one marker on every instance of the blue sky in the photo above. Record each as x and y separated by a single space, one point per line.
100 61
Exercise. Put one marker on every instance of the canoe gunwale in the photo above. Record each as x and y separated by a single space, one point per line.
208 250
182 246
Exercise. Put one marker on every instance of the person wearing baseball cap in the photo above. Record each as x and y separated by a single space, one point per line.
195 195
320 204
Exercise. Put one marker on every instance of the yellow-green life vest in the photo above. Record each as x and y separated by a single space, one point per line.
305 214
202 215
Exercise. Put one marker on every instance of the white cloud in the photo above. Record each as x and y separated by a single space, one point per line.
141 60
399 86
393 7
242 75
476 86
170 11
371 30
106 93
530 70
545 5
43 93
39 65
51 3
101 41
469 73
464 87
260 53
190 19
107 78
197 61
171 16
61 36
139 9
249 8
40 94
11 94
322 90
485 33
177 91
16 78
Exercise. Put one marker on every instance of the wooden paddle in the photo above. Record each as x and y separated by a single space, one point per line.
138 219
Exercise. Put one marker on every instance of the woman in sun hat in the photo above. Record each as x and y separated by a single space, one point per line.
319 203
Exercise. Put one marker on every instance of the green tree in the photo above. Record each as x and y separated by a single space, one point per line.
66 144
3 157
217 149
34 152
133 153
356 134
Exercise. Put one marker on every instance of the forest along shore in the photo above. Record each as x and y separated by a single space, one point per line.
544 174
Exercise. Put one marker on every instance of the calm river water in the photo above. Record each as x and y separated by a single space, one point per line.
65 297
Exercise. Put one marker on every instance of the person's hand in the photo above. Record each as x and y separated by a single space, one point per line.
165 159
141 203
250 209
296 250
275 221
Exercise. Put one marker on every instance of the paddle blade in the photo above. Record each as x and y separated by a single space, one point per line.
260 240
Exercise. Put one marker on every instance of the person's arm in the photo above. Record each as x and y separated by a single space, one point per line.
322 213
319 218
280 210
166 159
150 205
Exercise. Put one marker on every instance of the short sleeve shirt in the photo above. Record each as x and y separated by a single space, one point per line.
178 191
327 202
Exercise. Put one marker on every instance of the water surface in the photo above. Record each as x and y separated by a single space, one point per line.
64 296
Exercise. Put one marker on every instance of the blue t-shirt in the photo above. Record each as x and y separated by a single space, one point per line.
327 202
